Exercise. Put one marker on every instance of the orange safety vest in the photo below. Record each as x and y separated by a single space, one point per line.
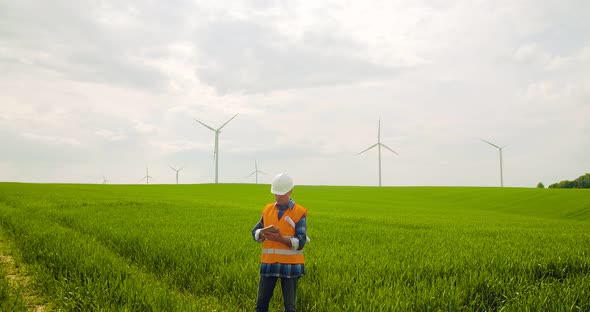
273 252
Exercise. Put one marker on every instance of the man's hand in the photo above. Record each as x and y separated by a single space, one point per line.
273 236
277 237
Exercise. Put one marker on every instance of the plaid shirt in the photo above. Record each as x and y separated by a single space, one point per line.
285 270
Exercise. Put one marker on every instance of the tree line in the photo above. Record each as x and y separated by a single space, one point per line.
581 182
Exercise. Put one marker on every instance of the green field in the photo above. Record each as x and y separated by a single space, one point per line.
189 248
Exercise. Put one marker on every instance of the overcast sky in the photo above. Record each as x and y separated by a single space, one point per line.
105 88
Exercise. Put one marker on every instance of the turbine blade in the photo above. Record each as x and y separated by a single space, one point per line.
368 148
251 174
388 148
227 122
205 125
172 168
379 131
492 144
261 172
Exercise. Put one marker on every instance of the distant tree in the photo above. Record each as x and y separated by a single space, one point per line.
584 181
581 182
540 185
566 184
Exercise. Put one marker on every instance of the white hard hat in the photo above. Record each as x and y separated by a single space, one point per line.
281 184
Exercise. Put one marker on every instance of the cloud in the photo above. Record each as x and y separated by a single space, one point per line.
110 135
533 54
85 42
51 139
242 56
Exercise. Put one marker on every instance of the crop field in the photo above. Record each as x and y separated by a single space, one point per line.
189 248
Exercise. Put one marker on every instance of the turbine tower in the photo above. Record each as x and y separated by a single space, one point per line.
501 162
255 171
104 180
216 150
177 171
147 176
379 144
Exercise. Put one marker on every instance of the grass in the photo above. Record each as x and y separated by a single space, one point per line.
188 247
11 291
10 298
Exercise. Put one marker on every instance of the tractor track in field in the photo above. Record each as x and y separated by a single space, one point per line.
18 278
35 301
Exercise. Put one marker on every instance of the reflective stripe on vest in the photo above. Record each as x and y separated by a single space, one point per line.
281 251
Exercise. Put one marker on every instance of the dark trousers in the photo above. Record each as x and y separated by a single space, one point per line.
266 287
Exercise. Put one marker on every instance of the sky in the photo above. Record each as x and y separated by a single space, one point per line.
95 90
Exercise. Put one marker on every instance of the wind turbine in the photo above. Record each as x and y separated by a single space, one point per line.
147 176
501 163
216 150
177 171
256 171
104 180
379 144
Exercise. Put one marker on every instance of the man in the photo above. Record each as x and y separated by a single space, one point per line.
282 250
